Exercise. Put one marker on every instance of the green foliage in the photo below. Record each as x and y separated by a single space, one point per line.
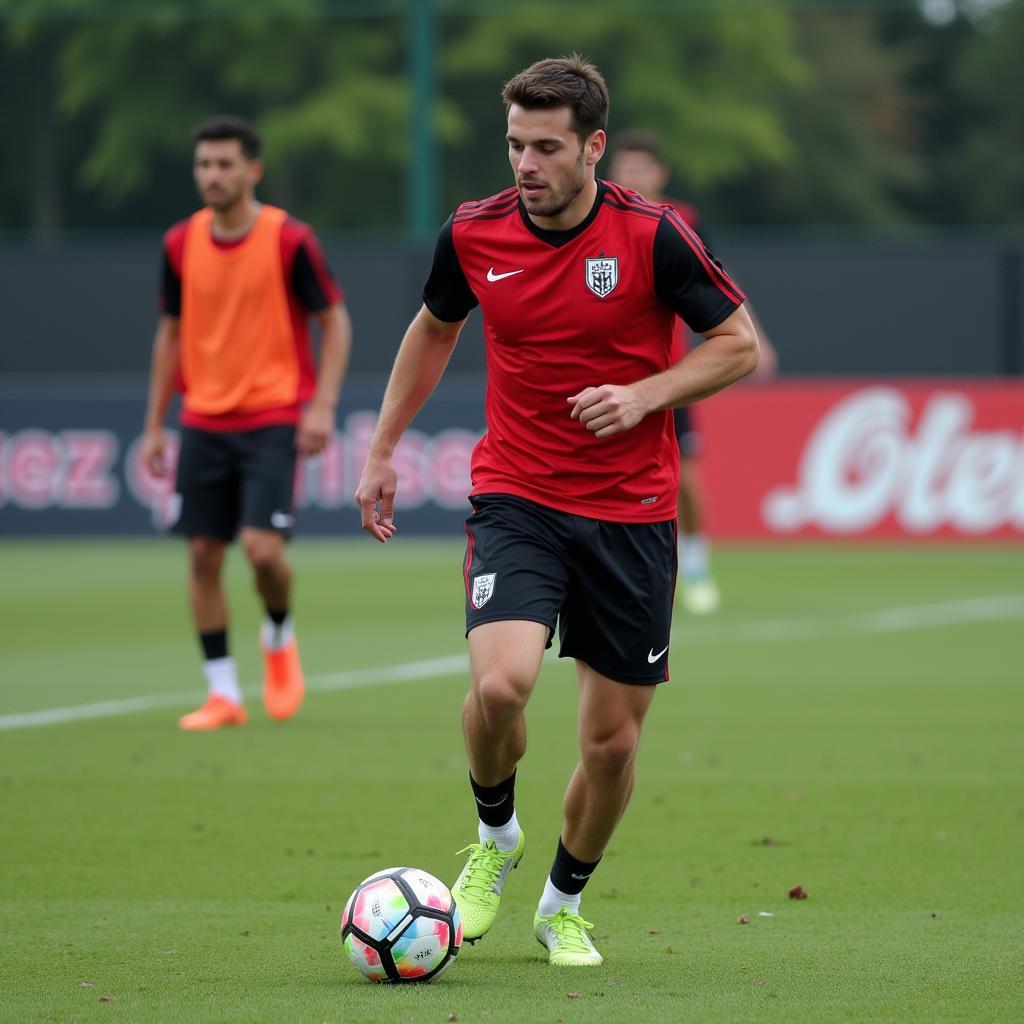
773 113
700 79
991 154
853 132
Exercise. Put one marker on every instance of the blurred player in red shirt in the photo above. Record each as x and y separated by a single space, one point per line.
638 163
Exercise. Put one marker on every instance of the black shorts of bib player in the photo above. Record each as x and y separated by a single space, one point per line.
227 480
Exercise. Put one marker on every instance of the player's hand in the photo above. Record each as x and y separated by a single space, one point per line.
607 410
375 497
154 452
315 429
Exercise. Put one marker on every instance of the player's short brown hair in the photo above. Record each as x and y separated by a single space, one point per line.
571 82
640 142
228 126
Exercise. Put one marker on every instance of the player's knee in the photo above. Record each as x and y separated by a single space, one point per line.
263 553
610 754
499 697
206 556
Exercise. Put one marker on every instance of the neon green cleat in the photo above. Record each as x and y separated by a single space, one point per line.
567 939
477 890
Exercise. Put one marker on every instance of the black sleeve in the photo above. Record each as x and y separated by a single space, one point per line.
170 288
700 228
447 293
306 284
689 279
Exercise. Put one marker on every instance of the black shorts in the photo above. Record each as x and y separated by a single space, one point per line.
609 586
230 479
686 432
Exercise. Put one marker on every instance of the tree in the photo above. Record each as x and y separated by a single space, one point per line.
989 159
705 80
854 132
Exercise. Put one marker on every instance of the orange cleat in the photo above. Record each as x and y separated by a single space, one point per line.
216 713
283 684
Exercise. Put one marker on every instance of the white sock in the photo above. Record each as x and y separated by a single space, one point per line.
553 900
273 637
694 556
506 837
222 679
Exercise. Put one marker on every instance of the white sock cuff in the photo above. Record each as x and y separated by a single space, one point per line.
273 637
222 679
553 900
505 837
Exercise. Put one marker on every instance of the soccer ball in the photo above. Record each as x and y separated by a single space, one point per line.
401 924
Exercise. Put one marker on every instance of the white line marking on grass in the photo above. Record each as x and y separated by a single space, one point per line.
408 672
880 620
994 608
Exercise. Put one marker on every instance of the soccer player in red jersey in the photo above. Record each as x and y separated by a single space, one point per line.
638 163
240 281
574 483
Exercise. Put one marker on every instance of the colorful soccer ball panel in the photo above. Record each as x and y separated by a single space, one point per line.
421 948
429 890
366 958
378 909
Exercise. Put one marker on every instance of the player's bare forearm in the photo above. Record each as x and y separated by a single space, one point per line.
335 348
728 354
419 365
162 371
768 358
317 421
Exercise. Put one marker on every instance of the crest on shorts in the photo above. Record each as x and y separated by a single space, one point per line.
602 275
483 588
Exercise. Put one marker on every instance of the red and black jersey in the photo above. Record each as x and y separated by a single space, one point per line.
565 310
688 212
308 288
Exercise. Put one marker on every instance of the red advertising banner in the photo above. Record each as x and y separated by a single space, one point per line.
857 459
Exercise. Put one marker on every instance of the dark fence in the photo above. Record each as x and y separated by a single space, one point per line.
937 306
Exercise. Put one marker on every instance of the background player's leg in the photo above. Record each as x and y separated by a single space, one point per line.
611 715
205 588
700 594
505 660
271 571
210 614
283 681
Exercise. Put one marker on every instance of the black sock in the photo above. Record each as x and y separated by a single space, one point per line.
277 617
569 874
214 644
495 804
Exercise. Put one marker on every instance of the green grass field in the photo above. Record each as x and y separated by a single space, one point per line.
850 722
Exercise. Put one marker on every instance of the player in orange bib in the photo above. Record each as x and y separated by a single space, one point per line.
240 282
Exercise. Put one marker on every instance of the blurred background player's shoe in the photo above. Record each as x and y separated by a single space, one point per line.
566 936
699 596
283 682
216 713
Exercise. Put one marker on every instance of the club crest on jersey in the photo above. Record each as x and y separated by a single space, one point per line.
602 275
483 588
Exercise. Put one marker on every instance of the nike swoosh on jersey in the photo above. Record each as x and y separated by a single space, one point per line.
652 657
492 276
